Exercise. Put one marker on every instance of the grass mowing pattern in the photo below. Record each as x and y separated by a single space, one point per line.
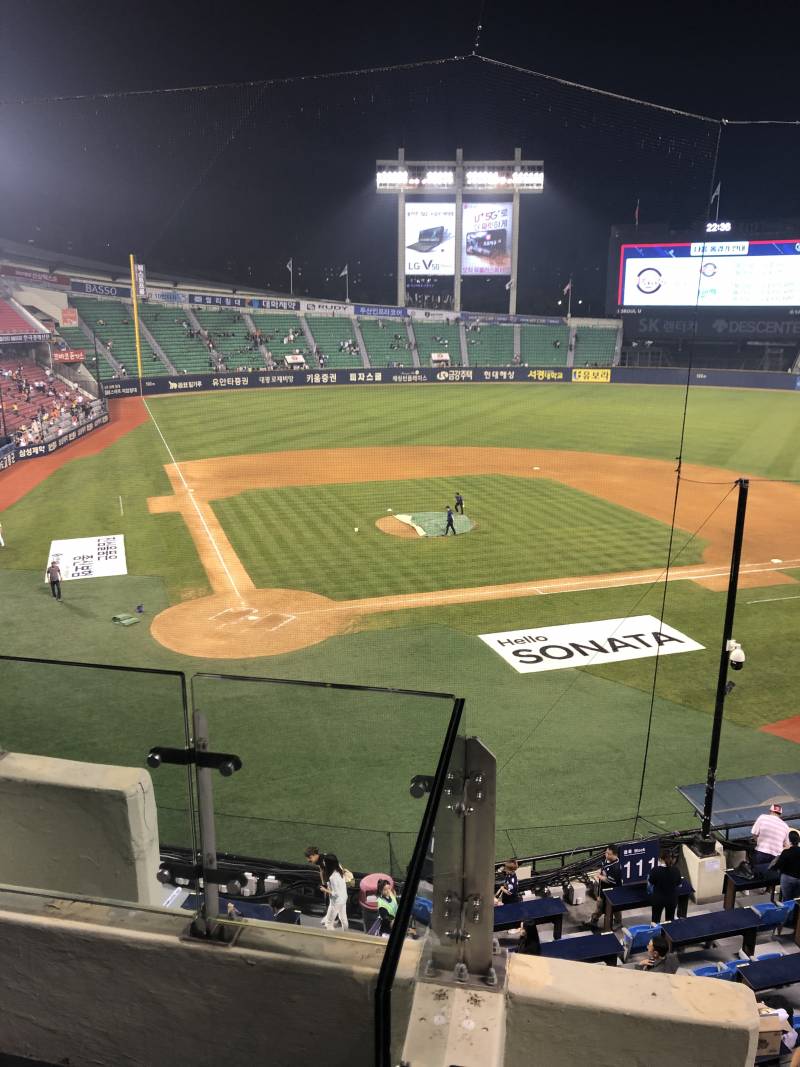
296 538
570 743
745 430
82 499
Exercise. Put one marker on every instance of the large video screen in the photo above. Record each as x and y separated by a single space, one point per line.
486 238
710 274
430 239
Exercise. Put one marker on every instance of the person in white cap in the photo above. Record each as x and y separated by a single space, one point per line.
771 834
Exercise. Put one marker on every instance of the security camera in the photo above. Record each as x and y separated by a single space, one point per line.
737 656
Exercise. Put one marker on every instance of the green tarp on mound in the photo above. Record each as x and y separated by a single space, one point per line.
434 523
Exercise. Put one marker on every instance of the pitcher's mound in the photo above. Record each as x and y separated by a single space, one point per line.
423 524
390 525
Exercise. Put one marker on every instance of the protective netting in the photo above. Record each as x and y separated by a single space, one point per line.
580 516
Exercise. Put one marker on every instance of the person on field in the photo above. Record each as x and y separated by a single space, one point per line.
459 503
450 523
54 578
2 542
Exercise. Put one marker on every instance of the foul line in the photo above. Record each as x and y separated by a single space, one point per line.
190 496
590 583
773 600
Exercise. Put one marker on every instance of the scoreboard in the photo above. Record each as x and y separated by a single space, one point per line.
718 273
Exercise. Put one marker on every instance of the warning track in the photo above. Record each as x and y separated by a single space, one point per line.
248 622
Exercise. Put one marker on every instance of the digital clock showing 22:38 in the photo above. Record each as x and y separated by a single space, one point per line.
719 227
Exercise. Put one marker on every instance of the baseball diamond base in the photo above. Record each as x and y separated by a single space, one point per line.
240 621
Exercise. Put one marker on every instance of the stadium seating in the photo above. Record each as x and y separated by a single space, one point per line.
595 346
185 352
11 321
112 320
544 346
328 333
275 328
427 333
382 338
490 346
76 338
28 410
236 348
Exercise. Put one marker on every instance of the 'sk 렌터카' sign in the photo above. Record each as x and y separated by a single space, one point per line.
89 557
588 644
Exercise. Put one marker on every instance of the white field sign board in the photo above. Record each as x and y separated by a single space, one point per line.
89 557
588 644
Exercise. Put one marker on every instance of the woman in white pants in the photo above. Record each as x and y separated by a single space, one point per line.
333 884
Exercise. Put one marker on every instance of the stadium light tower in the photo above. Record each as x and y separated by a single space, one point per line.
458 178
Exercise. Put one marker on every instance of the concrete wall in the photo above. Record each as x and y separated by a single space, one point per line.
108 986
105 985
560 1014
79 828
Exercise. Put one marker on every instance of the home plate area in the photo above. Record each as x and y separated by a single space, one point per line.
268 620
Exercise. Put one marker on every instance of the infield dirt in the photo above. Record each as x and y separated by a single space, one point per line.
239 620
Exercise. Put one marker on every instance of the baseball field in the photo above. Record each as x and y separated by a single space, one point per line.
262 542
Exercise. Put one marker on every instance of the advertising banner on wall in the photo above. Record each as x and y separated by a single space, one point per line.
430 239
38 277
69 316
89 557
380 311
486 238
69 355
101 289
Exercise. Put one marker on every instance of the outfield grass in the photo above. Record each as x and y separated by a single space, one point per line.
295 538
745 430
569 743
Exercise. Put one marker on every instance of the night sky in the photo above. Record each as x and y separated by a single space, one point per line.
229 183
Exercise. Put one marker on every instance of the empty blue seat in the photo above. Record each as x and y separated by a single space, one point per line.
732 966
711 970
774 915
769 956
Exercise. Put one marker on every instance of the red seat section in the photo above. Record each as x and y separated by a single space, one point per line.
11 321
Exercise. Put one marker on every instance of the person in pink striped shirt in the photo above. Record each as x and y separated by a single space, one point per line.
771 834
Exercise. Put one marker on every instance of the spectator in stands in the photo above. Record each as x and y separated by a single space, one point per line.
663 882
659 957
387 907
788 865
335 888
608 877
508 892
770 832
315 857
285 912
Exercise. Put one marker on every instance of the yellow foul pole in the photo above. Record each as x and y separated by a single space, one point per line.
135 302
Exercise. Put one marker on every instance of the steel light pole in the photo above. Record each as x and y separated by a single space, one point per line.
458 178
